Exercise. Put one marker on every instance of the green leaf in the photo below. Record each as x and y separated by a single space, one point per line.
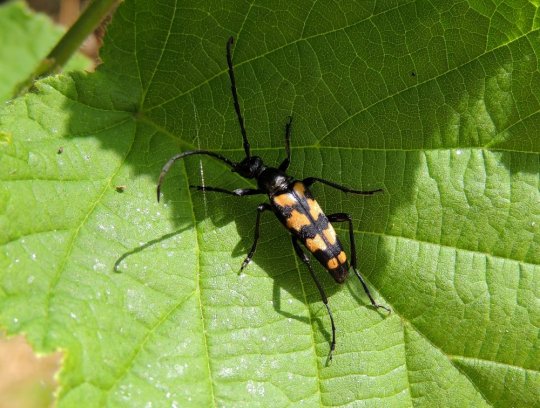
435 103
26 38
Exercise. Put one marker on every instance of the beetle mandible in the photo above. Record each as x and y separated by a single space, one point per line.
293 204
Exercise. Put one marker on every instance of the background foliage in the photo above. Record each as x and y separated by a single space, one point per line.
436 102
26 38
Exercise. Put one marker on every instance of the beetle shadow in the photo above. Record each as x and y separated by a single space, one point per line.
276 302
146 245
274 239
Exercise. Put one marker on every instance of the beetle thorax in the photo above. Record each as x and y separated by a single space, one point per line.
273 181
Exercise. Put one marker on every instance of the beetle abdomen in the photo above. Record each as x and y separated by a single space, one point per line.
303 216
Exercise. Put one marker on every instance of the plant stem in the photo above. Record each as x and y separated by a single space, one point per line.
70 42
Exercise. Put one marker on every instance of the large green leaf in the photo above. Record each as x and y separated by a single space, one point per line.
437 103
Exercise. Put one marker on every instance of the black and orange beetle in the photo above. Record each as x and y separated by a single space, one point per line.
293 204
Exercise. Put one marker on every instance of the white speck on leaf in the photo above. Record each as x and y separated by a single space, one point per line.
254 388
250 387
226 372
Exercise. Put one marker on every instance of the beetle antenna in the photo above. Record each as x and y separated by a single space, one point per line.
235 98
179 156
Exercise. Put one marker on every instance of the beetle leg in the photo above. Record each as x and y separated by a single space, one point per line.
285 163
343 217
260 209
310 180
305 259
239 192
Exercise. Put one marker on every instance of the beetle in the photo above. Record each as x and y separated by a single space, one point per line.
293 204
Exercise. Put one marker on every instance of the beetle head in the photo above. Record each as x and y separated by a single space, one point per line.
250 167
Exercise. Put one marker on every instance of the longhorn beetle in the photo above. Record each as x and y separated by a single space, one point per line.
293 204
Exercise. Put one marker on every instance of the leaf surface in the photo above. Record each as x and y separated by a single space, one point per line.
436 104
